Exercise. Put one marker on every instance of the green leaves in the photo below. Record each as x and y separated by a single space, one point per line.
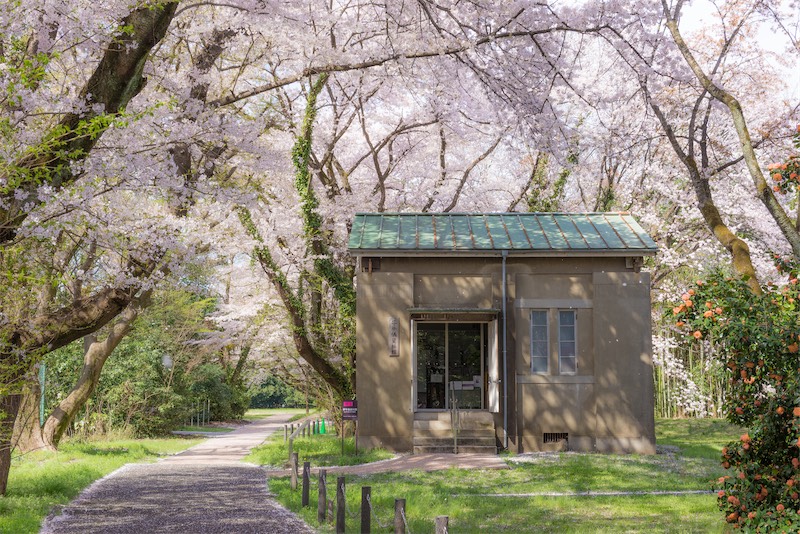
758 337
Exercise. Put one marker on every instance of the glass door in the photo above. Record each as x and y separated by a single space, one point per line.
450 364
431 366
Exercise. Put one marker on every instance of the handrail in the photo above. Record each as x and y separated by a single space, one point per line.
455 417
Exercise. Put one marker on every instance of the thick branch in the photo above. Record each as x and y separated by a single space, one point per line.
114 82
738 248
377 62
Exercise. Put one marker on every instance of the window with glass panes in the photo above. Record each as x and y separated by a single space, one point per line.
540 346
567 342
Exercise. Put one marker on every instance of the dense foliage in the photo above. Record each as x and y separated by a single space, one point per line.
758 336
273 392
137 392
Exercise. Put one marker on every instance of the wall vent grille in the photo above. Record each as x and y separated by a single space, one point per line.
555 437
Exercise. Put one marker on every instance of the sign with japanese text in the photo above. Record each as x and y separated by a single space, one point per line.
394 337
349 410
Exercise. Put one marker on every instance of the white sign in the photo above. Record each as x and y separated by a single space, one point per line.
394 337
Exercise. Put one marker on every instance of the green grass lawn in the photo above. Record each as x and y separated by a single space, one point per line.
254 414
475 500
320 450
478 501
41 480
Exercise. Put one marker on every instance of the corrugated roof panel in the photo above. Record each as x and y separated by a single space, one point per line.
498 232
570 232
480 234
444 232
354 241
389 228
425 235
628 235
589 232
643 236
519 232
536 235
371 233
605 228
407 234
463 232
552 232
519 240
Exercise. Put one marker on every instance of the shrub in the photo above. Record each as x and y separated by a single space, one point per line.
757 338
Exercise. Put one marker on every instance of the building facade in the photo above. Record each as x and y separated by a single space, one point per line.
536 324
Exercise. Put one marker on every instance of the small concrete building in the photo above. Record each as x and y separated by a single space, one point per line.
529 332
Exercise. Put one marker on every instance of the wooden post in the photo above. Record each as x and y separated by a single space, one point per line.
322 500
441 524
340 506
399 512
366 492
285 433
306 483
293 463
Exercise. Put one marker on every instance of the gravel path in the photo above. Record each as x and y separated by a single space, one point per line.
206 489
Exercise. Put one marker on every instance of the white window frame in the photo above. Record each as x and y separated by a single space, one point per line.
546 355
563 342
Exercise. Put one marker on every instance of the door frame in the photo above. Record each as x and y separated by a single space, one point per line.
490 364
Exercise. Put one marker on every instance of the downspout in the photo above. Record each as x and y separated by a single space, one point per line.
505 356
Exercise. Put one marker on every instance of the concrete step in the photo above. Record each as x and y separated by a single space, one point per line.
433 432
472 449
465 415
448 433
446 425
486 441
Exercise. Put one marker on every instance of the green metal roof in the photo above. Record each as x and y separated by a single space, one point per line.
580 234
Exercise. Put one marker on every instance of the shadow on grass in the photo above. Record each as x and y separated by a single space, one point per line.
428 496
697 438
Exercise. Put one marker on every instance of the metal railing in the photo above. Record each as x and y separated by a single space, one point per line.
455 417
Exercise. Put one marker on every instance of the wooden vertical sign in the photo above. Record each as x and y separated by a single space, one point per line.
394 337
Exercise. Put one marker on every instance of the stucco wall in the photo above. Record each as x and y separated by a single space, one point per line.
623 363
383 382
606 405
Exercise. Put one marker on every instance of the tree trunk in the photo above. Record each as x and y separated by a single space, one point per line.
738 248
762 189
27 436
95 355
9 406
